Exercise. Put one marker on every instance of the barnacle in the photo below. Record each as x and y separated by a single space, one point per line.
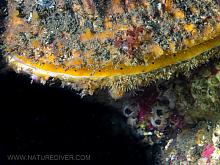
116 44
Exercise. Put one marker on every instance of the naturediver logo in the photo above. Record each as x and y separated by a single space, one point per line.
62 157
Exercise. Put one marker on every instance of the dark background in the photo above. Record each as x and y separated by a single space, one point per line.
47 119
37 119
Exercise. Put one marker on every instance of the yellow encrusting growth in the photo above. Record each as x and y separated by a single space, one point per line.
35 43
15 19
208 32
191 28
168 5
35 16
156 50
179 14
88 35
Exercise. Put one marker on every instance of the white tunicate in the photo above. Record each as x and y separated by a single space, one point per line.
130 109
46 3
127 111
30 17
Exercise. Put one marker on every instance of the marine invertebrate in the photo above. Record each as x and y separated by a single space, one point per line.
115 44
152 115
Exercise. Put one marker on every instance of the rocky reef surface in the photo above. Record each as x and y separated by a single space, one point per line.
181 116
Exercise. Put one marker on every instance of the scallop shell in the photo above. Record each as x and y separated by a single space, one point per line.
116 44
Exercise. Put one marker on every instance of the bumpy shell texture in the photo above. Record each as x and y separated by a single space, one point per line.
115 44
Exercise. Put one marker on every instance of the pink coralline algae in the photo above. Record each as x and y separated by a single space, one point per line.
208 151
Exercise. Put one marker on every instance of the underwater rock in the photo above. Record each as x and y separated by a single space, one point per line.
182 117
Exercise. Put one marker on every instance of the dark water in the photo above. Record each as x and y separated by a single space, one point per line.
41 119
